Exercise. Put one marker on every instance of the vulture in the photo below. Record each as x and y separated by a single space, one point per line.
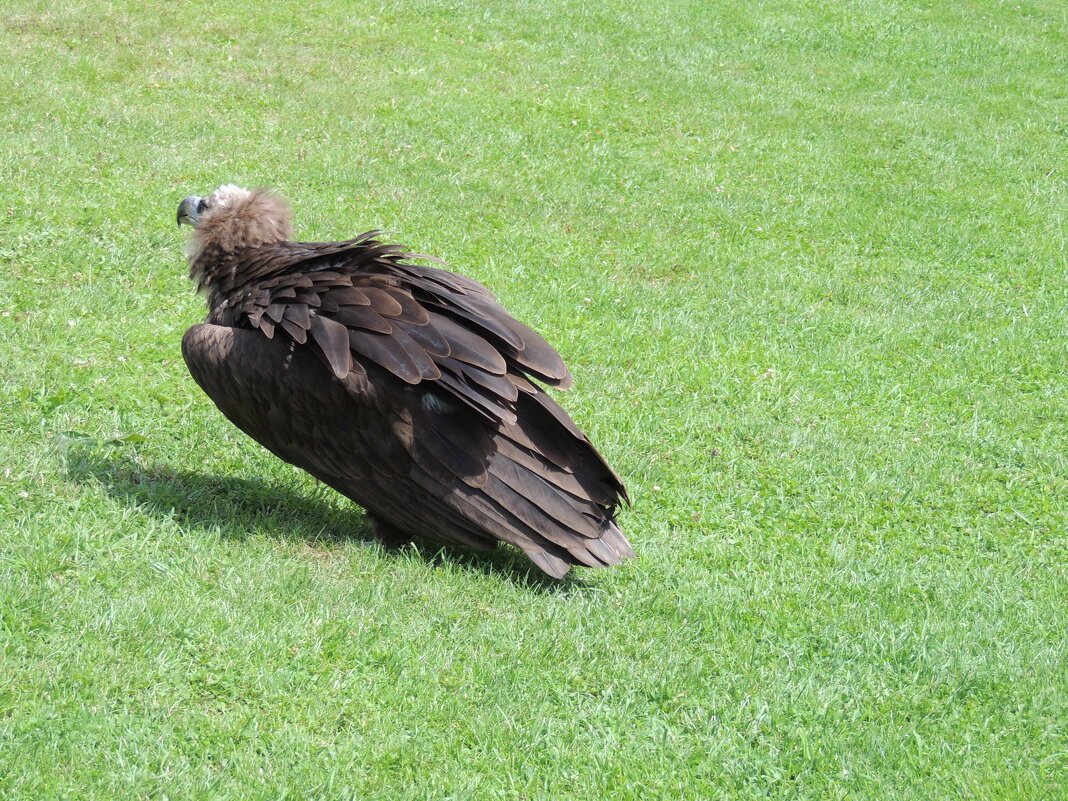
407 388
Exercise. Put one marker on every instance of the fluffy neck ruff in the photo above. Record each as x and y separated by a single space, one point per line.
235 220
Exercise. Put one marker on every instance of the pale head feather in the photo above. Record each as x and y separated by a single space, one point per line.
235 219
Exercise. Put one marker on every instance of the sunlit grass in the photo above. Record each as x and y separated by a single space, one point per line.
807 263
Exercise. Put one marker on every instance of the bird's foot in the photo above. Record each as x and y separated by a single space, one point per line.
388 534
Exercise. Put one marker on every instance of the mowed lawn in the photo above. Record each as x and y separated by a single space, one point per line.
807 262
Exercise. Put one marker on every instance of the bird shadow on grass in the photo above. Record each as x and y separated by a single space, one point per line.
239 506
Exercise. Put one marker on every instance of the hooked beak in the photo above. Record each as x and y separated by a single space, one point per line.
189 210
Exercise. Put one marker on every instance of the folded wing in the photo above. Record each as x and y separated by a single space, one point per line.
408 388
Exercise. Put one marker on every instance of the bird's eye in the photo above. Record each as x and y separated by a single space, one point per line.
203 204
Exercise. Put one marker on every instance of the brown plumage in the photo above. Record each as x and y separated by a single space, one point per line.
406 388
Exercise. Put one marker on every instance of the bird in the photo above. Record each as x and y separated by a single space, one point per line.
407 387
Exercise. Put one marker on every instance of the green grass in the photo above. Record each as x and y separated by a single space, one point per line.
808 264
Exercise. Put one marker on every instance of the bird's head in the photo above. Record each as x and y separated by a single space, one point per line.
229 221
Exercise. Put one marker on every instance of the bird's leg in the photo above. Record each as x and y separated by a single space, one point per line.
387 533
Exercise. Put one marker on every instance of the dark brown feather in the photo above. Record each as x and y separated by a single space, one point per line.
349 296
266 325
499 385
332 339
467 346
382 302
297 313
428 369
485 405
362 317
428 337
411 311
384 350
296 332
